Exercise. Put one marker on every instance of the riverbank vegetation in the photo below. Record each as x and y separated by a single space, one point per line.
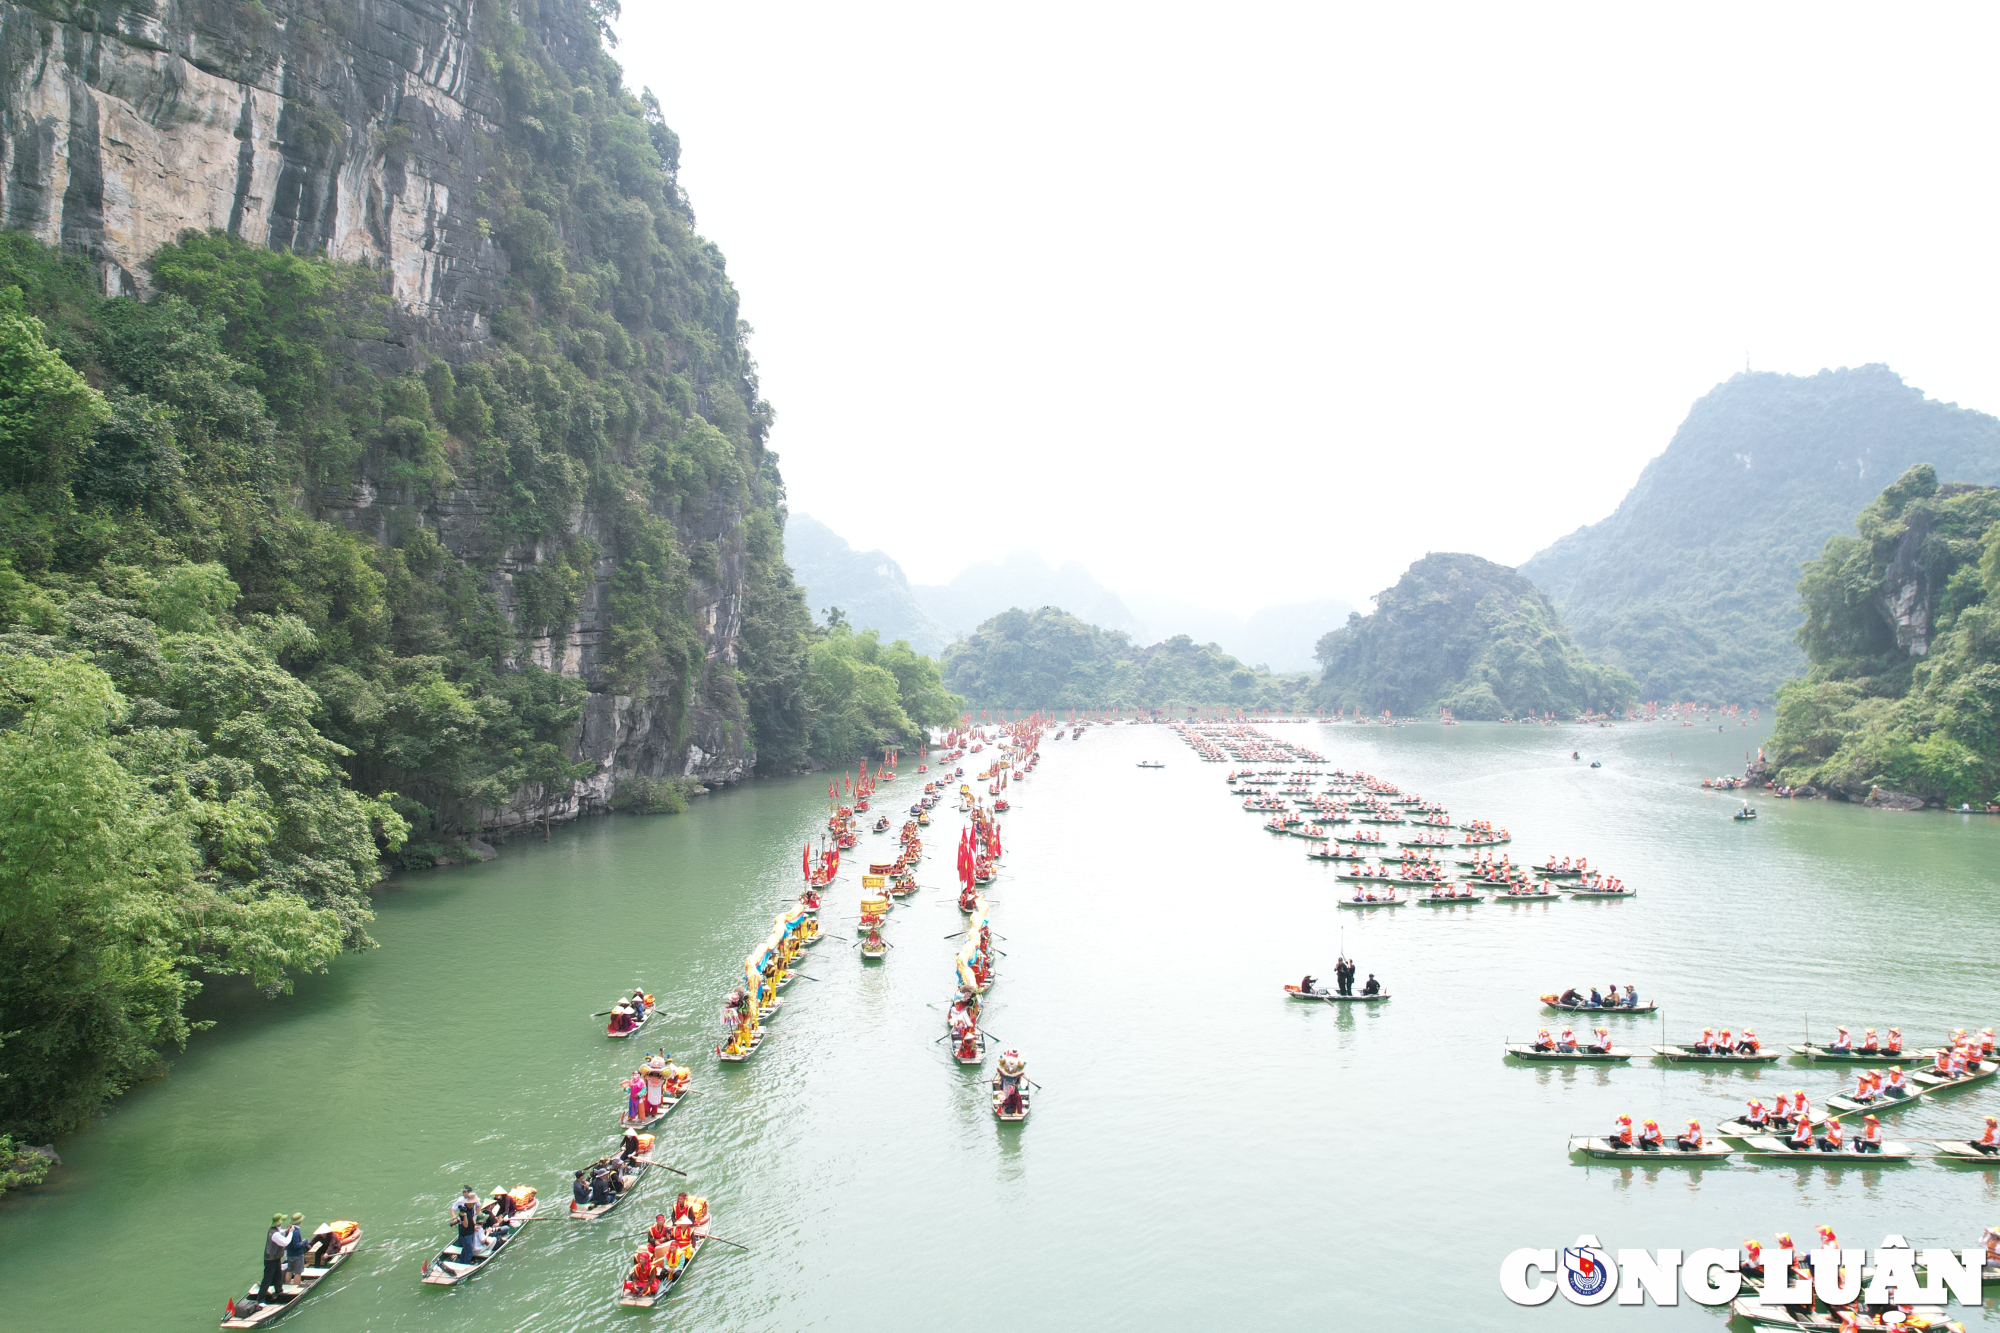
1461 633
222 710
1902 631
1047 658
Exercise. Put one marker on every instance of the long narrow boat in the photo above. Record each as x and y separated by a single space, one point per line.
1333 997
1581 1055
627 1180
1964 1152
1603 893
979 1050
1361 904
632 1031
667 1105
738 1057
448 1269
253 1313
1927 1085
1542 895
1687 1055
668 1282
1010 1116
1769 1145
1826 1055
1669 1155
1448 900
1608 1010
1814 1320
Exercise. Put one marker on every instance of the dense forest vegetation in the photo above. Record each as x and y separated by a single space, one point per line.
1463 633
1048 658
1902 630
1691 584
219 713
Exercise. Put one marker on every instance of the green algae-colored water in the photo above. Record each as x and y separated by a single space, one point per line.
1204 1154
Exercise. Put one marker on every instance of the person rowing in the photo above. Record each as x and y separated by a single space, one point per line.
1306 985
1691 1141
1570 998
628 1147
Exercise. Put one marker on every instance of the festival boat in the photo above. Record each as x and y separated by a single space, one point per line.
1550 1001
448 1270
735 1057
1021 1085
1666 1155
1333 997
632 1031
1964 1152
1688 1055
252 1312
1856 1056
975 1054
1770 1145
1363 903
668 1280
874 948
627 1180
1581 1055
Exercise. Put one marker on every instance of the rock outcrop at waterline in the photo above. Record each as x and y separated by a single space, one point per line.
1461 633
382 132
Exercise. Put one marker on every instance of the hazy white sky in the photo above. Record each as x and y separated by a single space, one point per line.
1255 303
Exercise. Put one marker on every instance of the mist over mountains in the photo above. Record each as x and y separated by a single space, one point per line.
872 592
1691 584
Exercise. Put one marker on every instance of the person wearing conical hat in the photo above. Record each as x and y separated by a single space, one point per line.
1870 1139
1650 1137
1989 1141
1691 1140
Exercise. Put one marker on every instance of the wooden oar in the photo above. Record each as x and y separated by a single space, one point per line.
726 1241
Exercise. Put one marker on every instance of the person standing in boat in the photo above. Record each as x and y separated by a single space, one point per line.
465 1216
295 1249
275 1240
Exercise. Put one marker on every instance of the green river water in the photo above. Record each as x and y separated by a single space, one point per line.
1204 1153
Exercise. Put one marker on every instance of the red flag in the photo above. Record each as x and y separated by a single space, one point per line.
806 859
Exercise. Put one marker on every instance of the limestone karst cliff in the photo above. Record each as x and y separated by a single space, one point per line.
519 208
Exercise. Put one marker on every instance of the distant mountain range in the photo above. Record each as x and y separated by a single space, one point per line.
1692 584
872 592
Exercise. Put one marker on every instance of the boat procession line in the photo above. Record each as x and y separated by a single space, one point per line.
1277 778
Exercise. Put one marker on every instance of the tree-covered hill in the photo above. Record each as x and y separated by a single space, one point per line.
1902 628
1463 633
1691 584
1048 658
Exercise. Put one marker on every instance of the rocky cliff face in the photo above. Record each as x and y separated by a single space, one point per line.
351 128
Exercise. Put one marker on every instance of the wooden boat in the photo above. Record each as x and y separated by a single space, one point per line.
1608 1010
1524 1051
667 1282
1364 903
1547 872
632 1031
667 1105
1668 1155
289 1295
448 1270
1603 893
1462 900
627 1179
738 1057
1333 997
1966 1153
1769 1145
1687 1055
1907 1056
1144 764
979 1049
874 950
1010 1117
1760 1315
1542 895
